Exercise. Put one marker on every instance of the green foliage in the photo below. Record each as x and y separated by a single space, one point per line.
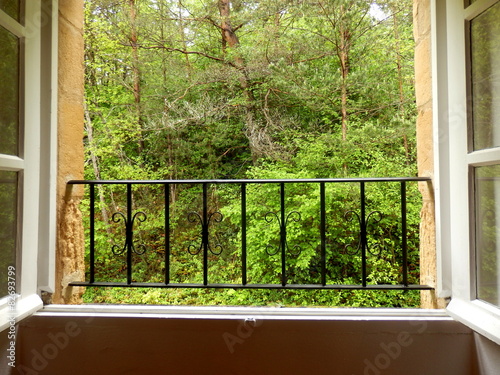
166 98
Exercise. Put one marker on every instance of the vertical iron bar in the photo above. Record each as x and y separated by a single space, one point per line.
404 233
167 233
243 233
204 234
363 233
283 235
92 233
128 233
323 232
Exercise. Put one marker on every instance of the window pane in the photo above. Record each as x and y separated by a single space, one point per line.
9 93
12 8
485 63
488 232
8 225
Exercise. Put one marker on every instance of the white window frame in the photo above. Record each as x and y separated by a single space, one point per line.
36 255
453 165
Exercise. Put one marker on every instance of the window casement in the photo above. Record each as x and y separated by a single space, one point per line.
468 148
26 154
484 149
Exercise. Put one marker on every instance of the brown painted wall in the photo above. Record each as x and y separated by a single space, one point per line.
112 345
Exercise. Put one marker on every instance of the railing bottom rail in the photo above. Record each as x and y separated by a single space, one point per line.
255 286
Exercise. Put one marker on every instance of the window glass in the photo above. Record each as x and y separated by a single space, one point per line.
8 225
12 8
9 93
485 76
487 191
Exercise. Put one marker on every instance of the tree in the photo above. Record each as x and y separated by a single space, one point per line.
189 89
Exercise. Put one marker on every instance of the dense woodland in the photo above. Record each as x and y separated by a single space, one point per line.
220 89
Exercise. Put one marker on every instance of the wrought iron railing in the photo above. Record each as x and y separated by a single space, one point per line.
328 233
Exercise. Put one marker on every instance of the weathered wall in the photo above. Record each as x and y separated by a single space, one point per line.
60 345
425 155
70 247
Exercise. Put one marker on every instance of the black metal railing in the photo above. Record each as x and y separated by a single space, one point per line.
322 228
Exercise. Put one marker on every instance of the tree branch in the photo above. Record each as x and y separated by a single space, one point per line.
170 49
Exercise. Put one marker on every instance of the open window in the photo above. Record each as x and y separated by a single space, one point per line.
468 137
26 125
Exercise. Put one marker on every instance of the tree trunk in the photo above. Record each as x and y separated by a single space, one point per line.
344 47
95 166
183 38
136 73
400 78
230 40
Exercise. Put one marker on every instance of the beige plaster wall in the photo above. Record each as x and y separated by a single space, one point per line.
70 245
425 155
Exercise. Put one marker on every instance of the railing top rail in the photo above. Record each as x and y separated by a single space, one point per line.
248 181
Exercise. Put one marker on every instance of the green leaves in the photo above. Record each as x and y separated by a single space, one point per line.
178 103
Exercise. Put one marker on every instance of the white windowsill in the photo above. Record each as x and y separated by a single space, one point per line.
480 316
24 307
223 312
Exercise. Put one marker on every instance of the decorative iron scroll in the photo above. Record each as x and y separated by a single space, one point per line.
273 250
129 233
194 217
373 218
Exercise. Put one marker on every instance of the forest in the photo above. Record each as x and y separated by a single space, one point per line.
265 89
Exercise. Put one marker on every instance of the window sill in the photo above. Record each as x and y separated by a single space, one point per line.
479 316
227 312
23 307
